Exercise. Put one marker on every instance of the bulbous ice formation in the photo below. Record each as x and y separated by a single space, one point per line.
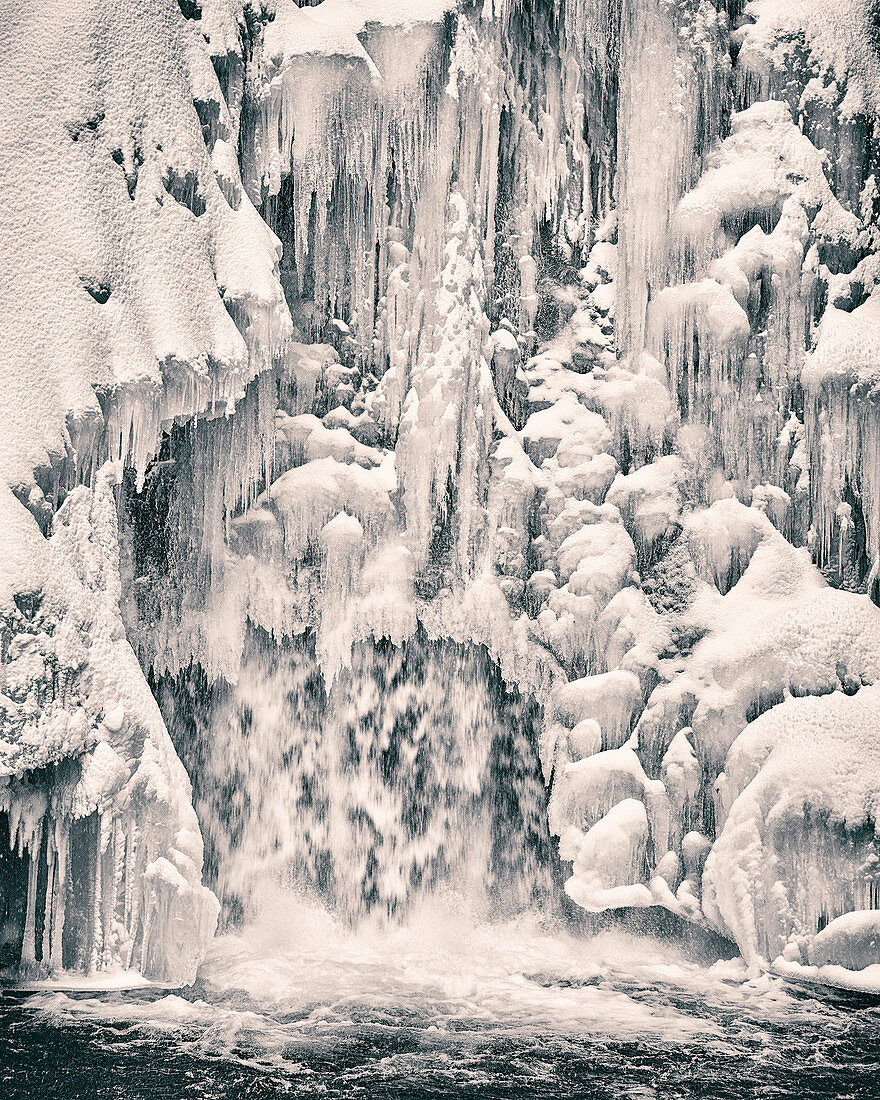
796 846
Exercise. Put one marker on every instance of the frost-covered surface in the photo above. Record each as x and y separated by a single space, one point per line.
835 35
605 408
767 824
801 786
135 234
97 803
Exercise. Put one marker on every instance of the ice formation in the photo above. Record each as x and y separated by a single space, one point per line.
103 843
402 370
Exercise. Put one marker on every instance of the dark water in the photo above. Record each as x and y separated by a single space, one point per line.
441 1009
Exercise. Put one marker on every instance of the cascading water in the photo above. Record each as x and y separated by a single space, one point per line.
414 773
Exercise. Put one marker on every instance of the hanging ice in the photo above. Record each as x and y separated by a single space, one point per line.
522 343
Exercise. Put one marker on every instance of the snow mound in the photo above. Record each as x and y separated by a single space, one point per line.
139 239
837 34
801 788
851 940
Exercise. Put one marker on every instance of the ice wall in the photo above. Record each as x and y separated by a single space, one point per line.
547 329
96 806
561 403
743 268
166 342
384 183
141 287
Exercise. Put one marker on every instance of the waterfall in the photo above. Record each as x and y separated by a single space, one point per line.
450 464
415 772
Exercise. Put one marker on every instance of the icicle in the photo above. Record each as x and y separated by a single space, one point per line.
133 894
96 865
670 104
29 944
59 903
50 897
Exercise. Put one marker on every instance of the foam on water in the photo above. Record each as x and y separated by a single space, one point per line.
443 1004
298 979
438 970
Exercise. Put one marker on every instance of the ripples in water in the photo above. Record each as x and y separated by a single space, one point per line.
297 1006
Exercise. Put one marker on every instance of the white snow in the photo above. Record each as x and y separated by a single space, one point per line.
607 861
116 220
837 34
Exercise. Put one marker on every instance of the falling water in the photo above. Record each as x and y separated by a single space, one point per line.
414 773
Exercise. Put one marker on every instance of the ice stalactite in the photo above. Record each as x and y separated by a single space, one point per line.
672 87
841 421
743 329
339 152
447 416
780 221
557 150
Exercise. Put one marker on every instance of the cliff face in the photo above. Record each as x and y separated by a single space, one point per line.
140 286
547 329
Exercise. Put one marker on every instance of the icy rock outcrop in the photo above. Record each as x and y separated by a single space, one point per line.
851 941
797 844
794 826
605 858
741 328
138 237
141 288
98 806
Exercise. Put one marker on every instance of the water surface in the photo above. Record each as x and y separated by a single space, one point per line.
300 1006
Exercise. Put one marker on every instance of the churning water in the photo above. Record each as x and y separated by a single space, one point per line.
299 1004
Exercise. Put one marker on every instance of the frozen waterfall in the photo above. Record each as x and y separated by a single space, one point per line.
439 456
